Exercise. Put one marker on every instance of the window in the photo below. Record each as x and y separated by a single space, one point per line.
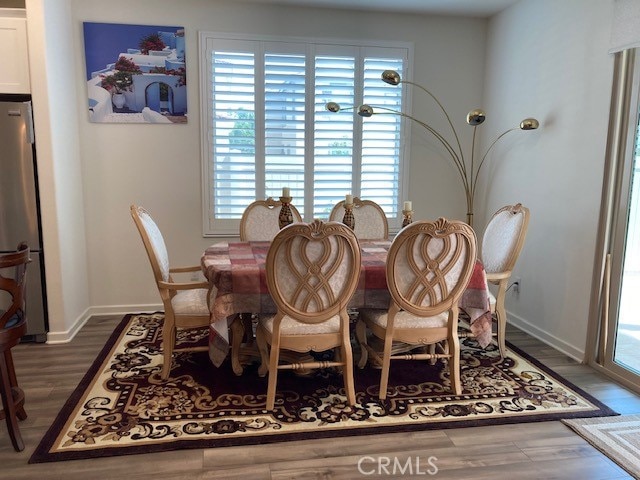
265 125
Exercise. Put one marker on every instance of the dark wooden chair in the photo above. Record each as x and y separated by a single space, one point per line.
13 325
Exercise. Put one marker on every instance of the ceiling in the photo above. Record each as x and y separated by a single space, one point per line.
472 8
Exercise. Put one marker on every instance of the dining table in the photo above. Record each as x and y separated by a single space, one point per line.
238 285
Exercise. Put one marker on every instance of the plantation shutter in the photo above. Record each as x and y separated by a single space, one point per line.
333 133
381 137
284 123
234 133
266 126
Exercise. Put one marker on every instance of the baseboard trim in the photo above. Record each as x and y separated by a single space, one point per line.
67 335
125 309
551 340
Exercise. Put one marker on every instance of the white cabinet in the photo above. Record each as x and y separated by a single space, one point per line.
14 54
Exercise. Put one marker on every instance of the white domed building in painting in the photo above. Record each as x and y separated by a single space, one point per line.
142 85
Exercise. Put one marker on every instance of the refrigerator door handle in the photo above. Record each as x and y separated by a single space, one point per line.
28 122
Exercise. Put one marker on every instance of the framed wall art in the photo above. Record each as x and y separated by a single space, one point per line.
135 73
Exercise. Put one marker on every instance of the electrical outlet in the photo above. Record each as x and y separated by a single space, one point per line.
517 285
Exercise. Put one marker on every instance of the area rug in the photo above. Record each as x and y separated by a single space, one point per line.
617 437
123 407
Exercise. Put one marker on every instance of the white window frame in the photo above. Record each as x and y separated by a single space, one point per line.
207 42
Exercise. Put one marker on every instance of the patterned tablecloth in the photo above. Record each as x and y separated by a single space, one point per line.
236 271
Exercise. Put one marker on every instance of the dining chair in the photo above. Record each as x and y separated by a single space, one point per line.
259 221
370 220
13 326
185 303
428 267
312 272
502 243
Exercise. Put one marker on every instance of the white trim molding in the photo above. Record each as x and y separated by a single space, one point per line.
66 336
551 340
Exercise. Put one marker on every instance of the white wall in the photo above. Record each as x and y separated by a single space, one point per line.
548 59
55 96
158 166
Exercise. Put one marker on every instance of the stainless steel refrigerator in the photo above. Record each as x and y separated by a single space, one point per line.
19 205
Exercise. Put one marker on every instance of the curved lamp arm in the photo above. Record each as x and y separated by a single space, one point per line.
526 124
475 117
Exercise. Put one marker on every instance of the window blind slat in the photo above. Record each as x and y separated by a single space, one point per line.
278 127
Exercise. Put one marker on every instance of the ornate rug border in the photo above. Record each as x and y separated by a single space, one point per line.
41 453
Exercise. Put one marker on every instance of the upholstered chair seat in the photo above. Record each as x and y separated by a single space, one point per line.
190 302
404 319
290 326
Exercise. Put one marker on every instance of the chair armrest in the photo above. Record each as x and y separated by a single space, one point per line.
183 285
193 268
497 276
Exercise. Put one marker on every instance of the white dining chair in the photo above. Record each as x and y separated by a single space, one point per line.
370 220
185 303
502 243
312 273
259 221
428 267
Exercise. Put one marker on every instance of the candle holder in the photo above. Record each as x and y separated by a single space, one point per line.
348 219
286 217
407 217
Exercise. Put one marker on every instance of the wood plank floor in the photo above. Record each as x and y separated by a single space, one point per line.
49 373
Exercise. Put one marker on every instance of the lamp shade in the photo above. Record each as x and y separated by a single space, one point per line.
476 117
529 124
365 110
391 77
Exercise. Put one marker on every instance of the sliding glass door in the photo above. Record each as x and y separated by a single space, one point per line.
618 338
624 349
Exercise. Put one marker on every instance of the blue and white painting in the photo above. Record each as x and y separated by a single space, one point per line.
135 73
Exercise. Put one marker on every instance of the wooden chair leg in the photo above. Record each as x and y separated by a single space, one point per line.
338 356
247 323
454 363
20 411
501 317
386 364
361 336
274 357
347 373
237 334
168 341
8 402
432 351
263 348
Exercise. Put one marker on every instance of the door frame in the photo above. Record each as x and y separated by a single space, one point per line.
608 270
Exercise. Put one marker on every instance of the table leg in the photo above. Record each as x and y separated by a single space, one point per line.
237 333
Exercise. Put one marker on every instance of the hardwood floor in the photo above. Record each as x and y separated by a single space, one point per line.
49 373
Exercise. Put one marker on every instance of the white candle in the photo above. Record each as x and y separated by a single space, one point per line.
349 200
286 192
407 205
